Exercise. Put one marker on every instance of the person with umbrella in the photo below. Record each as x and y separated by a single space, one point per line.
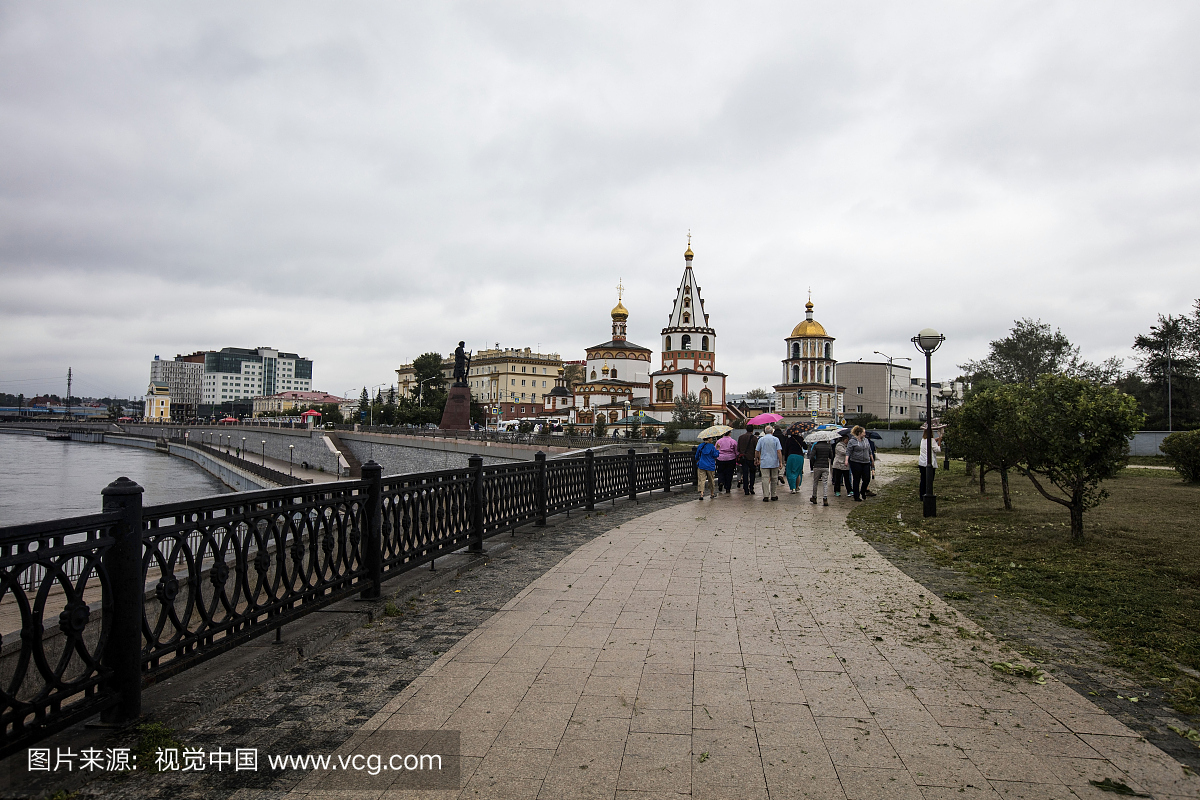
820 456
793 452
727 452
706 462
767 457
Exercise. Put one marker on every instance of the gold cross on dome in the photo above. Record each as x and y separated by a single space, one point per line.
620 290
689 237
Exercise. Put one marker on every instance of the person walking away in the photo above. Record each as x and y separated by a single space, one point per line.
841 468
706 462
858 454
746 445
820 456
924 461
793 452
767 457
726 458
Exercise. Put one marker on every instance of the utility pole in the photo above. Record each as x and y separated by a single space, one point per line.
68 392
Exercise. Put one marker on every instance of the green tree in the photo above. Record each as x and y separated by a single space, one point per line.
428 371
756 394
1168 370
688 413
986 429
574 374
1183 452
364 406
1031 350
600 427
1075 435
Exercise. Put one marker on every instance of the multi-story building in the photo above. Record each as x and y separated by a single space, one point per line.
809 389
287 401
158 402
235 374
872 389
185 377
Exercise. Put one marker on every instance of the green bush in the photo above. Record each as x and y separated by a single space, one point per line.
1183 453
670 433
897 424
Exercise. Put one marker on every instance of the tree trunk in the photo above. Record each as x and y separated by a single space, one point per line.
1076 520
1004 489
970 466
982 478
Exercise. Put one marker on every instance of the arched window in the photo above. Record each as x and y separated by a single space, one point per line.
704 343
664 392
687 302
612 416
668 347
613 373
795 349
593 374
829 350
705 397
685 342
829 374
687 318
795 373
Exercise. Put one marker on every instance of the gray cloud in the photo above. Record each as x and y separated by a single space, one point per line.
361 184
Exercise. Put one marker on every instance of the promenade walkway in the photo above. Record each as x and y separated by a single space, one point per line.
732 648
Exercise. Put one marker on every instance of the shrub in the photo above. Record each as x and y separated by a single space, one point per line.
524 426
905 442
1183 453
670 433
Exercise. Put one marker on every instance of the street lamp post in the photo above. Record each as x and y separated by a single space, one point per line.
927 341
243 448
264 452
890 359
291 449
947 395
626 419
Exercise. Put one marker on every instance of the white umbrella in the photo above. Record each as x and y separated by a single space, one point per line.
714 432
821 436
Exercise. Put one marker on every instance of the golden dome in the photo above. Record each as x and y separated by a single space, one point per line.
620 312
688 253
809 327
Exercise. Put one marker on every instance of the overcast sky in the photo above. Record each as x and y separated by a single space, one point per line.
364 182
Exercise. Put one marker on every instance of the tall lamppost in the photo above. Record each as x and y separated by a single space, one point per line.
243 448
927 341
626 419
291 449
264 452
890 359
947 394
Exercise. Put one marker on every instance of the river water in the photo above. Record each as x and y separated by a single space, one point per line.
41 480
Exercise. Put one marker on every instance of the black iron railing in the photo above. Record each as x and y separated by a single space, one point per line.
95 608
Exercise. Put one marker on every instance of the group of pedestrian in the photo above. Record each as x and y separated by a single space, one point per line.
848 462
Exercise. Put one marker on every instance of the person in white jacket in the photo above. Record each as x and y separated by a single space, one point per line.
924 461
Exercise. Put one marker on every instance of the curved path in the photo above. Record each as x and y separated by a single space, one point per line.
731 648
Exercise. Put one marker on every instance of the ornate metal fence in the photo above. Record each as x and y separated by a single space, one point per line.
97 607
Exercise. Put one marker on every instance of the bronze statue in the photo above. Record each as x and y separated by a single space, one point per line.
462 365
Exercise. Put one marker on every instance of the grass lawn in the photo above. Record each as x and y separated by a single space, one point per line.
1135 582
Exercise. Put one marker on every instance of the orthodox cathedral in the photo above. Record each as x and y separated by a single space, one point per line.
620 378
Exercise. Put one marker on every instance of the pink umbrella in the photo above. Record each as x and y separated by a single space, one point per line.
311 413
764 419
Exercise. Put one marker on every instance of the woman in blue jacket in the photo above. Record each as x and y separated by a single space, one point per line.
706 462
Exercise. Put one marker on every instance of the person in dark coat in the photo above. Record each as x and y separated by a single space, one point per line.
746 445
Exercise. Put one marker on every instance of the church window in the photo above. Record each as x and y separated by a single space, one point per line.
613 373
795 349
704 343
687 302
664 392
795 374
593 374
685 342
668 347
828 350
687 318
705 397
612 416
829 374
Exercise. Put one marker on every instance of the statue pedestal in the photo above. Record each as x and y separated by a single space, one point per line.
457 416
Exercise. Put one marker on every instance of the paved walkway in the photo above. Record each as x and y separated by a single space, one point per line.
731 648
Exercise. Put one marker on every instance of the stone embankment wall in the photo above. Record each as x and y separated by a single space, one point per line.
228 474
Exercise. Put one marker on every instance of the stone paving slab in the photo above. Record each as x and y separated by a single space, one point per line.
731 648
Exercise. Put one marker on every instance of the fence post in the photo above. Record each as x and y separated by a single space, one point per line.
666 454
123 562
632 474
371 541
539 458
695 469
589 459
475 464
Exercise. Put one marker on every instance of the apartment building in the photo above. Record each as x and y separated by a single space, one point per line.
874 387
235 374
513 380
